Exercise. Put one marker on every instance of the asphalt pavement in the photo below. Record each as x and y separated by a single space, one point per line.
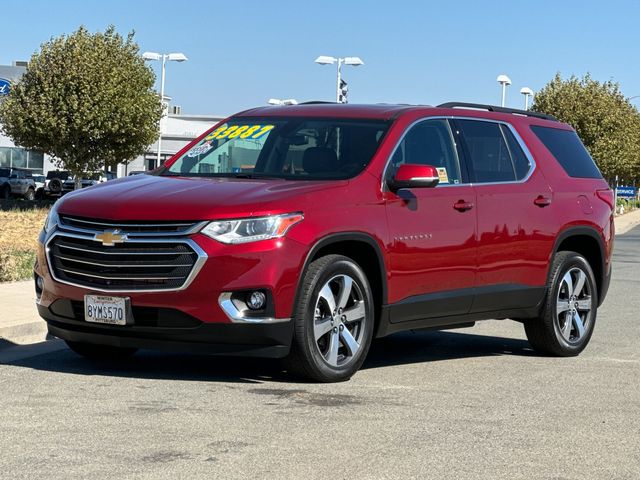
463 404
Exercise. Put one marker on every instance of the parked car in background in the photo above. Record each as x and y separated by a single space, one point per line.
303 232
22 184
40 181
5 188
136 172
94 179
53 182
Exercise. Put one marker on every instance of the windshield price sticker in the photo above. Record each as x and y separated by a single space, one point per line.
442 174
240 131
200 149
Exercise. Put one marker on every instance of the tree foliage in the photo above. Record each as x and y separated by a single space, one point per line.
85 99
605 120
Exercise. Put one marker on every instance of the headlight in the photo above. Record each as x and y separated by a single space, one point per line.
251 229
52 218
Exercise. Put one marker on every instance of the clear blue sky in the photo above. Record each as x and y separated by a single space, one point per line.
243 52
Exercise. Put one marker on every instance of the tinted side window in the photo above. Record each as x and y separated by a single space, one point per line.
566 147
521 163
430 143
490 159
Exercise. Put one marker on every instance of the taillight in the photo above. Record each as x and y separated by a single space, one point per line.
606 196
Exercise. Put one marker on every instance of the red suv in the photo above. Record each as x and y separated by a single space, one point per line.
303 232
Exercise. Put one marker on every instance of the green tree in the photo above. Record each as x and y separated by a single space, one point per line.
85 99
605 120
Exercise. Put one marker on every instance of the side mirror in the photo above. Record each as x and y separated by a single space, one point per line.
414 176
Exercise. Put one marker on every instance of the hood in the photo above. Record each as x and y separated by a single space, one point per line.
148 197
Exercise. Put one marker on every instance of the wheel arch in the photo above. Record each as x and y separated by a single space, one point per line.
588 242
363 249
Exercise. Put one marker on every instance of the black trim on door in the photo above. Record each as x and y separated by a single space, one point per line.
456 307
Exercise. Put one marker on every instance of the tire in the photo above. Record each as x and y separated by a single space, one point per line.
100 352
30 195
55 186
568 315
331 346
5 192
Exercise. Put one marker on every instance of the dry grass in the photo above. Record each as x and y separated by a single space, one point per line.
19 229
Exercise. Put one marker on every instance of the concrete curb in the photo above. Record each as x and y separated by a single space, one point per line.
19 320
626 222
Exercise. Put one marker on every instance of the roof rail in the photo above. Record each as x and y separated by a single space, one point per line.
494 108
317 102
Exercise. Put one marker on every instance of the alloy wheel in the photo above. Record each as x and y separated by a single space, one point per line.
339 320
574 306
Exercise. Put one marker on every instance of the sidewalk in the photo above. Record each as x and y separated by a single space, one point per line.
20 323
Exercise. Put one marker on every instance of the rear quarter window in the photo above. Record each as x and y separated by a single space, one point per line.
568 150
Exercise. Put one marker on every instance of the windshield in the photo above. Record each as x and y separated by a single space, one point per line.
295 148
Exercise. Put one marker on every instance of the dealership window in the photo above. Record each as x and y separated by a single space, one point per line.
14 157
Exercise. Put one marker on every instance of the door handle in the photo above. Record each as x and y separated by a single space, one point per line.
542 201
462 206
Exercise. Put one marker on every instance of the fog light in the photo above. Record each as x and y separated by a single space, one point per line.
39 285
256 300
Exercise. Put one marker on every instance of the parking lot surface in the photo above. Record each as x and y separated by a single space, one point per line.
474 404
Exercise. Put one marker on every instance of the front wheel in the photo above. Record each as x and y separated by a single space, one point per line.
100 352
568 316
333 320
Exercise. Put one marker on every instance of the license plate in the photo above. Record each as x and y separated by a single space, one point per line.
109 310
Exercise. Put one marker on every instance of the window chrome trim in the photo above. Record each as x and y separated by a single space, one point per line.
527 153
197 266
236 316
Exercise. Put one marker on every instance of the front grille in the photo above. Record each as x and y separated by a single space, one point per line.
131 228
135 265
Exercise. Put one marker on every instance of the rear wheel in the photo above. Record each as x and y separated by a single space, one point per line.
30 195
100 352
334 320
568 317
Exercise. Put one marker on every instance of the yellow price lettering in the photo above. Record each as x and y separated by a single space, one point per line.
213 134
263 130
226 133
239 131
250 131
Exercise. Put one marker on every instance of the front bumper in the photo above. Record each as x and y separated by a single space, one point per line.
192 336
192 319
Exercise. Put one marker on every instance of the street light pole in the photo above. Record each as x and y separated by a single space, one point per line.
527 92
326 60
504 81
172 57
162 76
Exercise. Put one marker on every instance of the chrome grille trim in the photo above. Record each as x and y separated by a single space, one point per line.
75 260
151 229
89 236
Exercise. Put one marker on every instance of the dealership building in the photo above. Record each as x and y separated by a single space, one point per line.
177 130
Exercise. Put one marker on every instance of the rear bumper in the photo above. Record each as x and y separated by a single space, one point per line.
258 340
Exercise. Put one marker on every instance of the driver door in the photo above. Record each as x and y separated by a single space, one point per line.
433 239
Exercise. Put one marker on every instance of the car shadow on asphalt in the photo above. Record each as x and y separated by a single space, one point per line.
396 350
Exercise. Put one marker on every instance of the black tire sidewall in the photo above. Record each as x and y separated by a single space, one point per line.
571 261
342 265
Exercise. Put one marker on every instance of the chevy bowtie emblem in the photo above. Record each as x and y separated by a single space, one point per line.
109 239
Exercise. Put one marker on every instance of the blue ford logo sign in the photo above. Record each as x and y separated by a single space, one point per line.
4 87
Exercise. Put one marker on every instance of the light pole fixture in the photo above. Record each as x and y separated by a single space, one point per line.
172 57
504 81
527 92
277 101
326 60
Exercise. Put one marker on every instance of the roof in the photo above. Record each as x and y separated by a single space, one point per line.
390 112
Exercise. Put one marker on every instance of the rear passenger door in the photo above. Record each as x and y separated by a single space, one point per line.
515 228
